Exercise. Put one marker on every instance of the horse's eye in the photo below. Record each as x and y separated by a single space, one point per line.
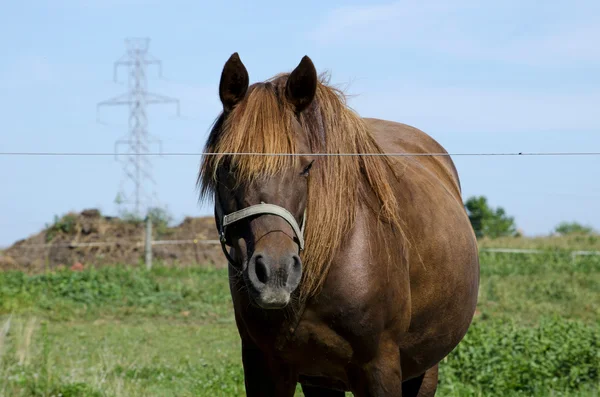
307 169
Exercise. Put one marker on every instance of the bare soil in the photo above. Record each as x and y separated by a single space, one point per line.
90 239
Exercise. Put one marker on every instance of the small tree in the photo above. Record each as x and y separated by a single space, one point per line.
487 221
160 219
565 228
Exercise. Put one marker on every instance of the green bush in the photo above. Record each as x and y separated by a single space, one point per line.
500 358
566 228
65 225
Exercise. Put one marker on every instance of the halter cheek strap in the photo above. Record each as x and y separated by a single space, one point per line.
223 220
219 220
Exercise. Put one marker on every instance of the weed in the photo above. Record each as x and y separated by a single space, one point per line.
65 225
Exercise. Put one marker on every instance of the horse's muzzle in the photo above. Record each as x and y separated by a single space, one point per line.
272 281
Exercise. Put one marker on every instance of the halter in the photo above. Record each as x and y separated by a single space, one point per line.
258 209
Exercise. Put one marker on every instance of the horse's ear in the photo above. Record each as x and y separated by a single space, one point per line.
234 82
301 85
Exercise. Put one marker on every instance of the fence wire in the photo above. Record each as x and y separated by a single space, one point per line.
392 154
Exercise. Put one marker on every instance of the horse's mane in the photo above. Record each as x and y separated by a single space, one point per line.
338 185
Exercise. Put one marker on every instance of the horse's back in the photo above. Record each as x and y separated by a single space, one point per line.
394 137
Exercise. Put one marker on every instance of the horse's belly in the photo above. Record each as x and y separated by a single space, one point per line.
439 324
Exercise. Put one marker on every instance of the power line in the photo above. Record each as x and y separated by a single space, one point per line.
402 154
136 166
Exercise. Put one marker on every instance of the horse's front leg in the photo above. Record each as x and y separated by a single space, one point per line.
380 376
265 379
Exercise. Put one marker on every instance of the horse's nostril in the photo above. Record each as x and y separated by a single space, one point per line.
297 264
294 273
262 272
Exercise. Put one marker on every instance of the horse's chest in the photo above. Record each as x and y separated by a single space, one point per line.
317 350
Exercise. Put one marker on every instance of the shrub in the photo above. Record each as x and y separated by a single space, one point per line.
499 358
566 228
65 225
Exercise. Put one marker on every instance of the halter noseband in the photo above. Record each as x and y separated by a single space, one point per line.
224 220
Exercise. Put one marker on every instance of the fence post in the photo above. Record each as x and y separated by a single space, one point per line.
148 244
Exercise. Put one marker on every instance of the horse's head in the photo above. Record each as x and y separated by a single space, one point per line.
261 198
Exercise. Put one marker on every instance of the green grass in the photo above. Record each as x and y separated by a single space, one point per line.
121 331
130 357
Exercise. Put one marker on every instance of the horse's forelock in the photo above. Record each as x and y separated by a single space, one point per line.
262 123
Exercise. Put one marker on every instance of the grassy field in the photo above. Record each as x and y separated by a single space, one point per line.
170 332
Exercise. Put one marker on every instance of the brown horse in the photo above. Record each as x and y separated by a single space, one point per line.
350 269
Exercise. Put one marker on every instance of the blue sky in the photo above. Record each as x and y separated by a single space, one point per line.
479 77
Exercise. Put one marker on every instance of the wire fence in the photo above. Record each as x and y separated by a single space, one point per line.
140 243
195 241
390 154
526 251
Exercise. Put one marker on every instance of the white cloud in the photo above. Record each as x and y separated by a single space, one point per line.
511 31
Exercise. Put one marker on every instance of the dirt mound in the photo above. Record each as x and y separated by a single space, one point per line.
91 239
